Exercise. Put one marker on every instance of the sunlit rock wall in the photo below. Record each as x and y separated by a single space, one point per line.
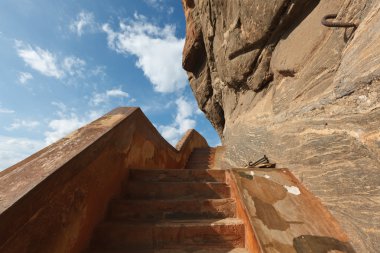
273 80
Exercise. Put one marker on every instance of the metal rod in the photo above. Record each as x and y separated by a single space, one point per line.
325 21
261 160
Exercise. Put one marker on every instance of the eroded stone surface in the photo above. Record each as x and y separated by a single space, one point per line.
272 80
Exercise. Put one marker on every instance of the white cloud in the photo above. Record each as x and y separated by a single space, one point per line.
154 106
61 127
13 150
67 122
48 64
85 21
99 98
160 5
155 3
185 111
6 110
117 93
40 60
26 124
74 66
61 106
158 51
170 10
95 115
99 71
24 77
183 121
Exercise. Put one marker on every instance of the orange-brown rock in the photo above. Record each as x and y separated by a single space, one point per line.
273 80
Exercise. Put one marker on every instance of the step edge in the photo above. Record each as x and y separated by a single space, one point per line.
178 182
163 223
170 170
186 250
174 200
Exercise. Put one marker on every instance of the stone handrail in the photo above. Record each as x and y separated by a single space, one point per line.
51 201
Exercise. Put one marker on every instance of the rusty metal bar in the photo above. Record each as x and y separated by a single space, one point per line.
326 22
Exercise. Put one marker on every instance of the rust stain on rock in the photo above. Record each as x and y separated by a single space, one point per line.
269 215
265 189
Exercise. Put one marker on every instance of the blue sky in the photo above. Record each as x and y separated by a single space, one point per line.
65 63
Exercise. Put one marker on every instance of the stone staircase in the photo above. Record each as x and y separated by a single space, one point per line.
198 209
201 158
173 211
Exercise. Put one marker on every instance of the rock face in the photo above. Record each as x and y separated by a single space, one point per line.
273 80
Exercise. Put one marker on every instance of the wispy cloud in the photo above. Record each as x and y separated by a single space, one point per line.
84 22
24 77
5 110
99 98
74 66
170 10
158 51
67 121
160 5
59 128
183 121
62 108
25 124
38 59
154 106
99 71
49 64
13 150
117 93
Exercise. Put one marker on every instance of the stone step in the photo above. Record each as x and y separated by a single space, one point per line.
204 150
201 154
177 175
171 209
173 234
184 250
174 190
204 166
198 163
200 160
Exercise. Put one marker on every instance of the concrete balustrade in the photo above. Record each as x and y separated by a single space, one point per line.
51 201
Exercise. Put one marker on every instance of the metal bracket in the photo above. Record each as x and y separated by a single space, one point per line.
261 163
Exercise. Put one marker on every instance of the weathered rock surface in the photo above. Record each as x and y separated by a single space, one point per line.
272 80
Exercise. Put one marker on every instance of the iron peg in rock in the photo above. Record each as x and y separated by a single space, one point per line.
326 22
